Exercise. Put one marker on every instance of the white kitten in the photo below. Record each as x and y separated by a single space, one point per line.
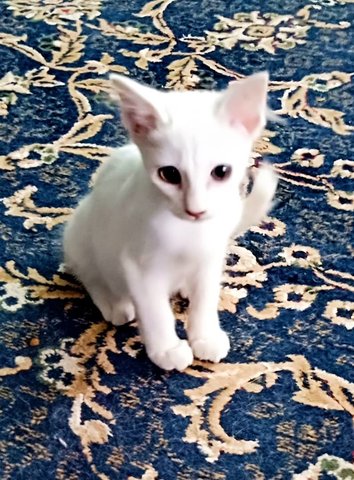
163 208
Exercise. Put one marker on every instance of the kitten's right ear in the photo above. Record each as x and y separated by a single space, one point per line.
245 103
141 114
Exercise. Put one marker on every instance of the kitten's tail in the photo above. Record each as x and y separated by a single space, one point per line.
259 201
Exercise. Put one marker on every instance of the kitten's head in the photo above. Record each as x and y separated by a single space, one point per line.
195 145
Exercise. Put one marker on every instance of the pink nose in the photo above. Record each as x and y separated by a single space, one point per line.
195 215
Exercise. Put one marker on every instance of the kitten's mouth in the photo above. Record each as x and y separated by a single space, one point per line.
195 219
183 215
195 215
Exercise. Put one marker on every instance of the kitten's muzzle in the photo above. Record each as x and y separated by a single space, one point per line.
195 215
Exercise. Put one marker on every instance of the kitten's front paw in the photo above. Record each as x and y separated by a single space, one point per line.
212 348
178 357
123 312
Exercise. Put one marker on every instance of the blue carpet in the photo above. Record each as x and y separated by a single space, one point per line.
79 400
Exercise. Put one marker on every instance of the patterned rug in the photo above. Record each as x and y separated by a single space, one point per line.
79 400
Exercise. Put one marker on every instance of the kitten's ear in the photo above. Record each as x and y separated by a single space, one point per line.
139 105
245 103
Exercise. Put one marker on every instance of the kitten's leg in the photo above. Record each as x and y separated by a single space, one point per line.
116 311
98 292
207 339
157 326
156 321
78 261
123 312
101 298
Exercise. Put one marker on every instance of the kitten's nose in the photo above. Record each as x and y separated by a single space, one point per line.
195 215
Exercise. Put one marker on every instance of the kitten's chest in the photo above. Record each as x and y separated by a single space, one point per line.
186 242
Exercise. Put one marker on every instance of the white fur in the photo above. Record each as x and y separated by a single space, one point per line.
131 241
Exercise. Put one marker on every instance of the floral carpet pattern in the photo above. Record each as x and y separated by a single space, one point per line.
79 400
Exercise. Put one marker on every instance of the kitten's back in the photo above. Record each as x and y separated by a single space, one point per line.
123 162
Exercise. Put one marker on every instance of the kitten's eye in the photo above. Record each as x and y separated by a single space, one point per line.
170 175
221 172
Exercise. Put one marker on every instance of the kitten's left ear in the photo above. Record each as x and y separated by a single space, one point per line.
244 103
139 104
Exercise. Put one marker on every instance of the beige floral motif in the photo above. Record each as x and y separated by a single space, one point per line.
241 271
75 369
294 297
270 227
90 432
22 363
155 10
18 289
246 264
95 85
333 310
13 296
182 74
289 296
6 100
331 3
55 13
19 44
35 155
69 46
149 473
264 145
319 388
308 157
12 85
265 31
38 77
21 204
325 82
335 466
222 382
301 256
295 101
257 31
133 346
66 368
146 55
130 33
204 428
229 298
343 169
59 360
30 156
341 200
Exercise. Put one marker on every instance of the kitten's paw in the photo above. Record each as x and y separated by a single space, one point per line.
104 307
101 299
123 312
176 358
212 348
